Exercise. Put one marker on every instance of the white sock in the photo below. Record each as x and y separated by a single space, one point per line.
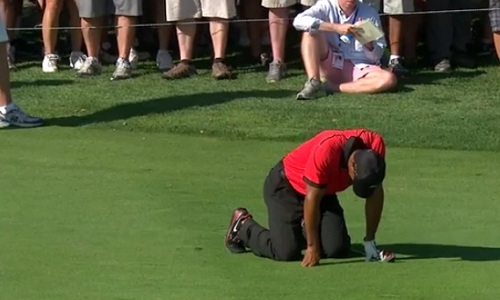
394 57
3 109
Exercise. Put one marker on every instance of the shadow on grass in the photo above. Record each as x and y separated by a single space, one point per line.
40 82
164 105
427 251
423 251
433 251
430 77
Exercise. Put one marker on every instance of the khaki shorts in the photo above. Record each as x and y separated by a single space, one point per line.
178 10
398 6
3 32
286 3
101 8
391 6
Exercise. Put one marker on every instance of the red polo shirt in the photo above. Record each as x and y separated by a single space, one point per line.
322 160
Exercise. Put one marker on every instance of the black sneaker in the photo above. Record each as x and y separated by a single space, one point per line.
234 244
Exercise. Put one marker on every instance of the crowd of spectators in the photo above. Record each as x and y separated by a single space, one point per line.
446 36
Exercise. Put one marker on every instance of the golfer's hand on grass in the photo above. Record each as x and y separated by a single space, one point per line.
371 251
312 257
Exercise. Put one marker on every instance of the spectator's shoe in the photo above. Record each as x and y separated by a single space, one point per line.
12 115
443 66
486 49
91 67
231 240
264 59
396 67
49 63
183 69
220 70
123 70
461 59
11 58
312 89
12 65
164 61
133 58
77 59
277 71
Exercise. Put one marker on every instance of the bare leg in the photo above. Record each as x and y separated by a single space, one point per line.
278 25
125 35
4 76
186 35
92 36
253 10
314 48
74 20
373 82
10 113
496 40
164 32
50 20
219 30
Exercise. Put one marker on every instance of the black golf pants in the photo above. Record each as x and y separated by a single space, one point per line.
284 240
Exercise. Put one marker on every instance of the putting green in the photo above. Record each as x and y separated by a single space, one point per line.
91 214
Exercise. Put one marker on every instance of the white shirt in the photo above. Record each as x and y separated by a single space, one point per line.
330 11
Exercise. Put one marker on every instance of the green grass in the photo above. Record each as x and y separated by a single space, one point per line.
90 214
127 192
452 111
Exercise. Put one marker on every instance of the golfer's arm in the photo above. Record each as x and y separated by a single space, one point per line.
373 212
311 214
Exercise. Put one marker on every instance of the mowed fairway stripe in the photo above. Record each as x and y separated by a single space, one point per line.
91 214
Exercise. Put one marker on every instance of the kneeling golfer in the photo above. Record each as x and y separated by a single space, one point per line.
303 209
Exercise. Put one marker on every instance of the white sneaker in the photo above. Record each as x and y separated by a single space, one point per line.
123 70
91 67
49 64
12 115
133 58
76 60
164 60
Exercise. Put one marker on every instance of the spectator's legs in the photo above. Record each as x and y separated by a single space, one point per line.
184 11
496 41
278 25
10 113
440 34
92 37
396 44
50 19
76 58
125 37
461 26
8 14
410 39
495 24
219 11
447 31
163 58
314 49
318 60
127 13
219 30
253 10
4 76
185 35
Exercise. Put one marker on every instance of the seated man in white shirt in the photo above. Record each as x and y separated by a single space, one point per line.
347 67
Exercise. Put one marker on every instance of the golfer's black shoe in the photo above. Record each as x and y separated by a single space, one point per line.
233 243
